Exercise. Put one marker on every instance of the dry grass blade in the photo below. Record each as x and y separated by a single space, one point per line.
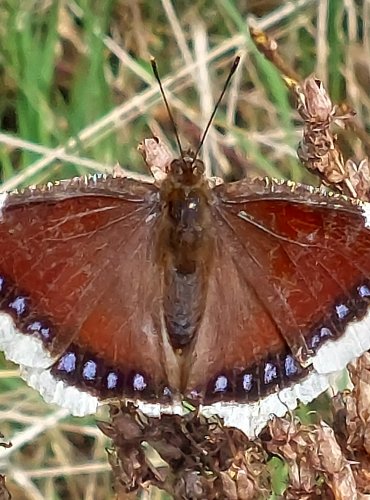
269 48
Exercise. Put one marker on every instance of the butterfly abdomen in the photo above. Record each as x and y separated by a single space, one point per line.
183 306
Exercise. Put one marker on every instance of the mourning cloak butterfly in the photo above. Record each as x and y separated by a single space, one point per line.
242 297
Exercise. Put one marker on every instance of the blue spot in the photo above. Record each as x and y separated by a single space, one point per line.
290 366
318 338
37 327
89 370
19 305
45 333
325 332
270 373
167 392
68 363
342 311
112 380
364 291
221 384
315 341
247 382
138 382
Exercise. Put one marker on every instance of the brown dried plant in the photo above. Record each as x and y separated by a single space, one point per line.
199 457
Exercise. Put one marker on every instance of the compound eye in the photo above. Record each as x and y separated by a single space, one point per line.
177 167
199 167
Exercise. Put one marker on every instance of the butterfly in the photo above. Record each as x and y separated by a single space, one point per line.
240 297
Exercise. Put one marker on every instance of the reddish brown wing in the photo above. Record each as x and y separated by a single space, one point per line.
292 271
78 272
239 353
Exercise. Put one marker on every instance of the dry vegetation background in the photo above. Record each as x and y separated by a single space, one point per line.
77 95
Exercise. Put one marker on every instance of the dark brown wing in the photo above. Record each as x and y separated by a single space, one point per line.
78 275
291 271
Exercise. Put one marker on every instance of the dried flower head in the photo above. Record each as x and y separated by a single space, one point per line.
318 150
189 457
317 466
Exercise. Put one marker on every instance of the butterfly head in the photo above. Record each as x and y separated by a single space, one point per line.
186 170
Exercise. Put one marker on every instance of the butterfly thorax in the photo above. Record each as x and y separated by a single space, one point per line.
185 248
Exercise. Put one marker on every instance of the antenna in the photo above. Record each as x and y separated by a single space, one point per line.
226 84
156 74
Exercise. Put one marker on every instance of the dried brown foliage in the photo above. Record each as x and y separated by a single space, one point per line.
319 150
352 423
317 466
195 458
199 458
